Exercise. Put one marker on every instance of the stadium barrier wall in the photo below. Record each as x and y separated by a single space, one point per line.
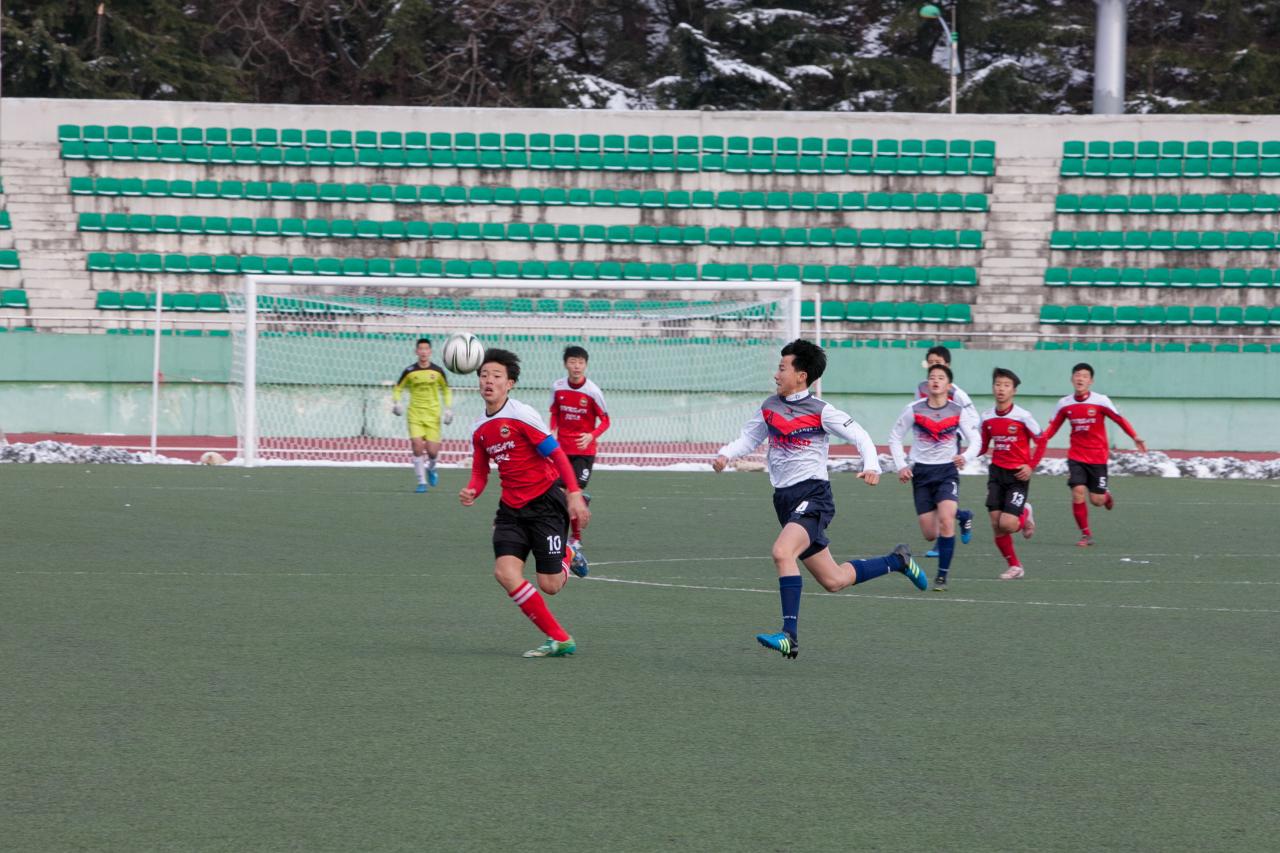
101 384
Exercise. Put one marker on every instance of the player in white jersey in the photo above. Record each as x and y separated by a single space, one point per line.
936 425
968 414
797 425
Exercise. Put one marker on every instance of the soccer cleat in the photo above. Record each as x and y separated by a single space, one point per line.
911 568
940 583
966 527
1110 502
1085 541
932 552
1029 528
553 649
780 642
1012 573
421 489
433 478
578 563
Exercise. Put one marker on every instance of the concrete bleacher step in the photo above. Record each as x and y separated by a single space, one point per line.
1022 198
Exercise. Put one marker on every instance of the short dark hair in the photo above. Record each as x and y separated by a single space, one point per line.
1005 373
575 351
807 356
1084 365
940 350
506 358
943 368
422 341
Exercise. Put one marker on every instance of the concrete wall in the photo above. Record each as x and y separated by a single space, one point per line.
98 383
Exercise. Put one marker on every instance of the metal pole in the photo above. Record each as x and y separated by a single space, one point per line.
1109 57
155 368
250 378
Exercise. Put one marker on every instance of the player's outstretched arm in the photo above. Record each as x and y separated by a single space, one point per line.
900 427
841 424
754 432
479 477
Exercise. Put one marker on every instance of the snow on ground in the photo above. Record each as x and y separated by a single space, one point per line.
1153 464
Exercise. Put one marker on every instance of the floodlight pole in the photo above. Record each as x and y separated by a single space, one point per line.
953 41
1109 57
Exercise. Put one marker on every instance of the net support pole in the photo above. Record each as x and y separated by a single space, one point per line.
817 332
249 451
155 369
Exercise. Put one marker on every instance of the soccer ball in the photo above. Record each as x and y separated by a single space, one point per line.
463 353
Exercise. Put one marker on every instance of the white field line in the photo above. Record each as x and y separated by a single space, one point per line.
942 599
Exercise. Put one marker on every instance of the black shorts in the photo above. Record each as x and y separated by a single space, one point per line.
540 526
582 466
1094 477
810 505
933 484
1005 492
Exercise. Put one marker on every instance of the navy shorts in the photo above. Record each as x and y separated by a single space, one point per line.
1092 477
810 505
933 484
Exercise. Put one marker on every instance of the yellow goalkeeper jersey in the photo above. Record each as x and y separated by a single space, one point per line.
426 386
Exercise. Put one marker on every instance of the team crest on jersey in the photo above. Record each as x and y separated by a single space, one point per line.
1013 428
1093 412
504 431
583 402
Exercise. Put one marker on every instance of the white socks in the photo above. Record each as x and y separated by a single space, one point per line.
420 468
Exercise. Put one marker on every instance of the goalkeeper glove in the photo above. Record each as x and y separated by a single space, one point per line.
447 418
397 409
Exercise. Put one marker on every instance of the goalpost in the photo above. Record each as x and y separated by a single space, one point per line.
682 364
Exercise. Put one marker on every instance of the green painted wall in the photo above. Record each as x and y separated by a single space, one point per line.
100 383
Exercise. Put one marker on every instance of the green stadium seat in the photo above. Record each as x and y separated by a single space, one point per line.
959 313
860 312
1052 314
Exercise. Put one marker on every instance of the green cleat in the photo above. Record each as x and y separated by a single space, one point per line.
911 569
553 649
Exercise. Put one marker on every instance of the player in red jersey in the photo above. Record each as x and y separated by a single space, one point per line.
1011 433
1089 452
578 419
534 512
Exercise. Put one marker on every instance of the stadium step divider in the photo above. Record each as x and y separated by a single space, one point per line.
433 194
1160 315
423 158
130 262
1204 277
513 141
690 235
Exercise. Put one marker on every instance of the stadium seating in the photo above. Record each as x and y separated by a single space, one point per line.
1184 277
434 194
1170 159
1160 315
128 262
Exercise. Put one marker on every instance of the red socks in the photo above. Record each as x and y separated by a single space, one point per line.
1004 544
1081 512
1022 519
531 604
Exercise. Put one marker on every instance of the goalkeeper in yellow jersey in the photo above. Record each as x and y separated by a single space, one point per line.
430 399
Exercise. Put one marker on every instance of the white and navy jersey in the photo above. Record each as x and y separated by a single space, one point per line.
935 434
797 429
969 412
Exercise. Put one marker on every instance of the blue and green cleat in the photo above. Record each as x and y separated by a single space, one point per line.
553 649
965 517
578 563
421 489
911 569
932 552
433 478
780 642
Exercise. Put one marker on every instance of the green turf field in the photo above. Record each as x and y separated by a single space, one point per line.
212 659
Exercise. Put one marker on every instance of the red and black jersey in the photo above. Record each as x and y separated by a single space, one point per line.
1008 435
1088 416
516 440
575 411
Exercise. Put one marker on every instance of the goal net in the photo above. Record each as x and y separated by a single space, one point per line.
682 364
